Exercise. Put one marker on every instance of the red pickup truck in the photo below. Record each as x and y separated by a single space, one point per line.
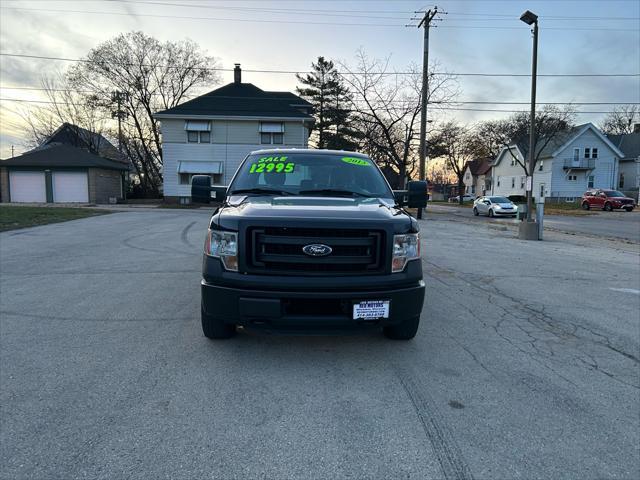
606 200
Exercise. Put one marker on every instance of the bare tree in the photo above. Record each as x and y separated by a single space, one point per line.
387 110
621 120
64 105
154 76
456 146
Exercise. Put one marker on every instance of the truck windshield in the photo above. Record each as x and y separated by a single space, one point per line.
308 173
614 193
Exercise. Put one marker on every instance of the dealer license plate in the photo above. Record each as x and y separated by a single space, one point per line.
371 310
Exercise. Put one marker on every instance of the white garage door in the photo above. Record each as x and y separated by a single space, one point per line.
69 187
27 187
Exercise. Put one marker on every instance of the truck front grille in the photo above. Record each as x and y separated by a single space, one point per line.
278 250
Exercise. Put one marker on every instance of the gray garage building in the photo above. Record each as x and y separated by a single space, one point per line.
61 173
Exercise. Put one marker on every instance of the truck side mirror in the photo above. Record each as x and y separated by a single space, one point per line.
201 189
417 194
400 197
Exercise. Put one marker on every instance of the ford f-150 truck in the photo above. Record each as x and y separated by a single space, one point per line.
310 240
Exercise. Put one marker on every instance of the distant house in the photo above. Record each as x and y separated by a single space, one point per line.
73 165
629 171
75 136
214 132
571 163
477 177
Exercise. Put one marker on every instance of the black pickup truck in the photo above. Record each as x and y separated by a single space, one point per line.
310 240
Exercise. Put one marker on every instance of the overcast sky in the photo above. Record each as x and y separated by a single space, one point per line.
576 37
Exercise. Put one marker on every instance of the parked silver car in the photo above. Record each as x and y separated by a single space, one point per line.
494 207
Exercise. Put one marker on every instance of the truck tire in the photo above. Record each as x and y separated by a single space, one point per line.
405 330
215 328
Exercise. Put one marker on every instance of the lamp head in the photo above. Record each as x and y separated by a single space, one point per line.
529 17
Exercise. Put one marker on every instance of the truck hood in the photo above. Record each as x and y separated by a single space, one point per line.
318 209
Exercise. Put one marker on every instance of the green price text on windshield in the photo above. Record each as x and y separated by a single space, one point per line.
356 161
272 164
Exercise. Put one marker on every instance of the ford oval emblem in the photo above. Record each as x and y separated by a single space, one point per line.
317 250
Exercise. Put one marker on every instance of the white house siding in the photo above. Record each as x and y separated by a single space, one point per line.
468 181
503 173
242 132
631 171
605 172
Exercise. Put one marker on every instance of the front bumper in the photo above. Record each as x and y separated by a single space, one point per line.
300 309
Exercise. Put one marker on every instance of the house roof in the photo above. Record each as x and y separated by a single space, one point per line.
479 166
75 136
243 100
561 140
60 155
629 143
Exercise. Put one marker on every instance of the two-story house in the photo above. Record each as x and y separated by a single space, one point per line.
629 171
214 132
571 163
477 177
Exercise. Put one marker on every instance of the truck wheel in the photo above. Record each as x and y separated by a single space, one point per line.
608 207
475 211
402 331
629 209
586 206
216 328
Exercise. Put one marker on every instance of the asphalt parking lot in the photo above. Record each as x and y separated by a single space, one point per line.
618 225
526 365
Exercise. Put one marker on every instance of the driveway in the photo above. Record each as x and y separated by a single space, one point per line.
526 365
617 225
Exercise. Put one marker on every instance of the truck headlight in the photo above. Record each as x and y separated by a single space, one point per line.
405 247
223 245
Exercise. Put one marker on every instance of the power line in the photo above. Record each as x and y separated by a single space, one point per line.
457 74
455 102
300 22
355 13
442 108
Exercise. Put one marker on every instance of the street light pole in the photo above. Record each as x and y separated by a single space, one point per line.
532 19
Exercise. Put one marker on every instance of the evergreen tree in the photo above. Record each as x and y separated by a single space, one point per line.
331 99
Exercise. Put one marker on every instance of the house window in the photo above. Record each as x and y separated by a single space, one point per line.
498 181
541 166
271 138
185 178
590 181
198 131
587 153
513 162
572 178
621 181
272 133
576 153
513 182
522 179
570 199
594 153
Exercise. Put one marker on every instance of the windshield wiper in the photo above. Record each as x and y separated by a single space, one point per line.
266 191
334 191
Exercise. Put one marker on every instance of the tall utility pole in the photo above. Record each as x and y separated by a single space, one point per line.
425 23
119 98
121 114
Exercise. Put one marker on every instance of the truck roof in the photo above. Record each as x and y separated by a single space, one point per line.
315 151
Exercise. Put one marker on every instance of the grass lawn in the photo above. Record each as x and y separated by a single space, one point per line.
13 217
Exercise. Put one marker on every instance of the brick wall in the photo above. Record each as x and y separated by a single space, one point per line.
104 184
4 184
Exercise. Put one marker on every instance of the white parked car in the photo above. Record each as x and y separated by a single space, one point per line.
465 198
494 207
